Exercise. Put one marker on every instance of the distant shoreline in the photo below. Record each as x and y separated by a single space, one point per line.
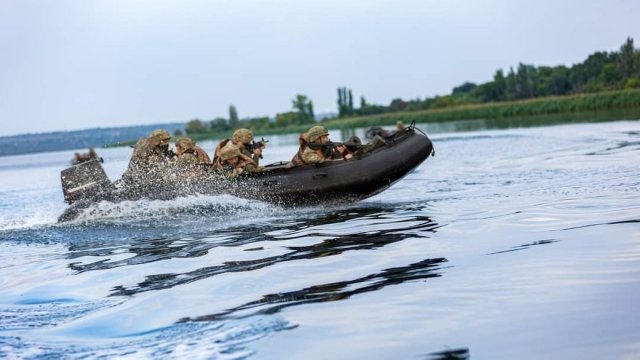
602 103
602 106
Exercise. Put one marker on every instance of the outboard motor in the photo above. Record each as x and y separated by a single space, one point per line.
83 181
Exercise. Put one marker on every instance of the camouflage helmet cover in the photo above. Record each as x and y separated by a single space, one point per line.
316 132
242 136
159 135
229 152
186 143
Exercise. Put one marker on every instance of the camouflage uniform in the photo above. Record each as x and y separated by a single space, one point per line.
243 163
150 159
241 138
191 153
307 155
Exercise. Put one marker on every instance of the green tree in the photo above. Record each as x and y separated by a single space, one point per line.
287 119
500 86
219 125
310 110
233 117
510 93
628 59
363 102
304 108
464 89
343 106
195 126
610 74
259 123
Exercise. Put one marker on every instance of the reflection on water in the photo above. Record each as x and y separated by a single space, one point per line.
457 354
474 251
272 303
150 250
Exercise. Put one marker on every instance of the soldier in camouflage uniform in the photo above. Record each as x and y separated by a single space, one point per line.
187 151
150 159
188 156
312 151
242 139
234 162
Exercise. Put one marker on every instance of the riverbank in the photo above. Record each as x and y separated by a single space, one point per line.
594 106
598 102
584 103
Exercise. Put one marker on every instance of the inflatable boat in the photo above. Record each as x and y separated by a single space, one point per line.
372 170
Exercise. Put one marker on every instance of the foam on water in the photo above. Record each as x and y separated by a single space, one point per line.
210 206
226 340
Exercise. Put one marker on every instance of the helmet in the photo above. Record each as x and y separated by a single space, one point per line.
242 136
159 135
229 152
185 143
316 132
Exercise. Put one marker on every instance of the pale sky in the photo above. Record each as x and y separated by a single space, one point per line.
75 64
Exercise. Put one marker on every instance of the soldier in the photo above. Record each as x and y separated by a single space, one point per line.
80 158
315 147
186 150
242 139
234 162
150 158
188 156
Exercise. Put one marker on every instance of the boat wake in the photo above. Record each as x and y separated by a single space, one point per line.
147 218
212 207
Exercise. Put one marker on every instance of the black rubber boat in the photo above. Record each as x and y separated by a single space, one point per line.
370 173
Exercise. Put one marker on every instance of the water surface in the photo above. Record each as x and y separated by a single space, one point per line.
509 243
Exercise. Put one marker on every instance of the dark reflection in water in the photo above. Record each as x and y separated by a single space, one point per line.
456 354
183 245
633 221
526 246
273 303
417 226
632 145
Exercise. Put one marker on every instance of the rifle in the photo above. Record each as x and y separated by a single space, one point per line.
257 145
352 144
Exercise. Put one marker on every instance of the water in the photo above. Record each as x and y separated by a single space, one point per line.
518 243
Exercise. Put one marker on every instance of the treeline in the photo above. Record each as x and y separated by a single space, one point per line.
600 72
301 114
603 101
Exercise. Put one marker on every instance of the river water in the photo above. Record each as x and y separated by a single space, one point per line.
514 243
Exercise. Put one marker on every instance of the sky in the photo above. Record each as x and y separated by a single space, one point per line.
68 64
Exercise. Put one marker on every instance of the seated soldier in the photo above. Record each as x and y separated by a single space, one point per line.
150 158
242 139
188 156
315 147
187 151
233 162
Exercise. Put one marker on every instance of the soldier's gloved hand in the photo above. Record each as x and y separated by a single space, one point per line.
258 151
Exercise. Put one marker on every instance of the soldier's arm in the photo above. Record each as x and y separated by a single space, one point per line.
311 157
